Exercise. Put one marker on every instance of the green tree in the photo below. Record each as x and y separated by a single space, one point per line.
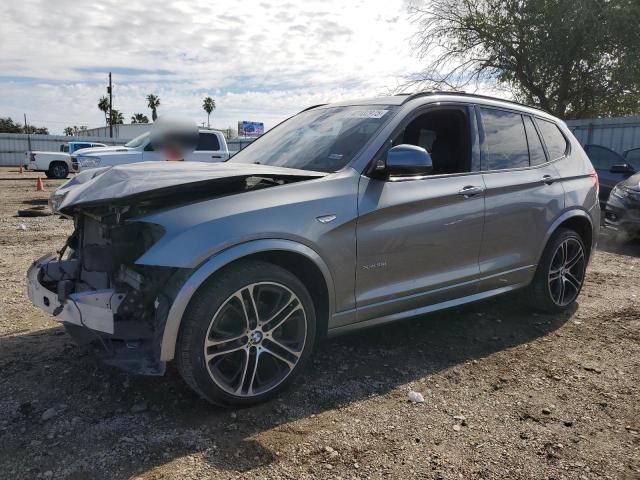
117 117
103 106
75 130
153 102
209 106
573 58
139 118
7 125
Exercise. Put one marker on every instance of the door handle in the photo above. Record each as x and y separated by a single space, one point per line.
548 179
471 191
216 156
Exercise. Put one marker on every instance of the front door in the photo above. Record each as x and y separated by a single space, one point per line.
418 239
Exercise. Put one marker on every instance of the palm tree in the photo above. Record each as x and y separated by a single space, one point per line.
68 131
139 118
153 102
103 105
209 106
117 118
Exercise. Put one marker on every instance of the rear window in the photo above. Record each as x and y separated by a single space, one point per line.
505 138
208 141
536 150
553 139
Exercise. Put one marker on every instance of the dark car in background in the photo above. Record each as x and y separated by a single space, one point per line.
612 167
622 212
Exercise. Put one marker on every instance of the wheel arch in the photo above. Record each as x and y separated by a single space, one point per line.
577 220
299 259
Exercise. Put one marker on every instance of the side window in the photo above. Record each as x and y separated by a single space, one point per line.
82 145
148 147
553 139
536 150
601 157
208 141
444 133
633 158
505 138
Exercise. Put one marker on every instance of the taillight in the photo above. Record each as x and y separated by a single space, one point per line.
32 157
596 182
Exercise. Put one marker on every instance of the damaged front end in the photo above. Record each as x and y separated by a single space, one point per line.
94 287
94 284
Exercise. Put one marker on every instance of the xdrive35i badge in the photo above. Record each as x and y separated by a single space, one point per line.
371 266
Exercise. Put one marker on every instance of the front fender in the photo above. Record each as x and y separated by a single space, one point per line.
215 263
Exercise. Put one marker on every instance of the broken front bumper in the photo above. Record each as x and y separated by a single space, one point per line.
92 317
90 309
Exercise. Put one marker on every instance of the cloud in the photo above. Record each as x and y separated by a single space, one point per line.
260 61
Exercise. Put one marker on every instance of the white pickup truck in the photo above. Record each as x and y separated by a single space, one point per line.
211 147
56 164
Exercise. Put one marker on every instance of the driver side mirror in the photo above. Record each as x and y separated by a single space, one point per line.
406 160
622 168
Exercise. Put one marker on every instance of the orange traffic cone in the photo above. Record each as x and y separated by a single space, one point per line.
39 185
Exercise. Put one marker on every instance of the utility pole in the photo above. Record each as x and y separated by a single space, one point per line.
27 131
110 91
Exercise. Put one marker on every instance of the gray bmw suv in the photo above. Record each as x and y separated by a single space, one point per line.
344 216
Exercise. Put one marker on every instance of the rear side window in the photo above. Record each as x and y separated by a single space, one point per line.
505 138
553 139
82 145
208 141
536 150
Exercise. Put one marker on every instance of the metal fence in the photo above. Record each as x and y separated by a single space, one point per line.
619 134
14 145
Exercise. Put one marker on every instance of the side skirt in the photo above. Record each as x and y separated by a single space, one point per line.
422 310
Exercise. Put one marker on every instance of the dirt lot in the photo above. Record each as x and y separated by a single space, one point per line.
508 393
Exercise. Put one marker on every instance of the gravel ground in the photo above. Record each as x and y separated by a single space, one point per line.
507 393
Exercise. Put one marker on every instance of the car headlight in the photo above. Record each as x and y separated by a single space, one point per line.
56 200
89 162
620 192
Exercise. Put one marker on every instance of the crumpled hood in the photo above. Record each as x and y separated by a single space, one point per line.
99 185
632 183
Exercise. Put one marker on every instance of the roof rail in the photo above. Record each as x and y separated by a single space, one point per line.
411 96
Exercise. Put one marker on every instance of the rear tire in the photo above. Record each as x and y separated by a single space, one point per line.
246 334
560 273
58 170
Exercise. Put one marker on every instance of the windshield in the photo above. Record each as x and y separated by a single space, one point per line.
136 142
323 139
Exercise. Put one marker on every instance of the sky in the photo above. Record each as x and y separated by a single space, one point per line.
261 60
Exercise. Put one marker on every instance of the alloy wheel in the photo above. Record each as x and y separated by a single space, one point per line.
59 171
566 273
255 339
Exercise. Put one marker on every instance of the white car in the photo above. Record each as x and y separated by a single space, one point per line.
56 164
212 147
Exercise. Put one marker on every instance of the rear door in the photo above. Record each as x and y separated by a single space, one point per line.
523 196
208 149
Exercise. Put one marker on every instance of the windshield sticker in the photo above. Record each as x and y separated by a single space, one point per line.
366 113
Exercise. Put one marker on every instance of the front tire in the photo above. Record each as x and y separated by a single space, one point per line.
247 333
560 273
58 170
